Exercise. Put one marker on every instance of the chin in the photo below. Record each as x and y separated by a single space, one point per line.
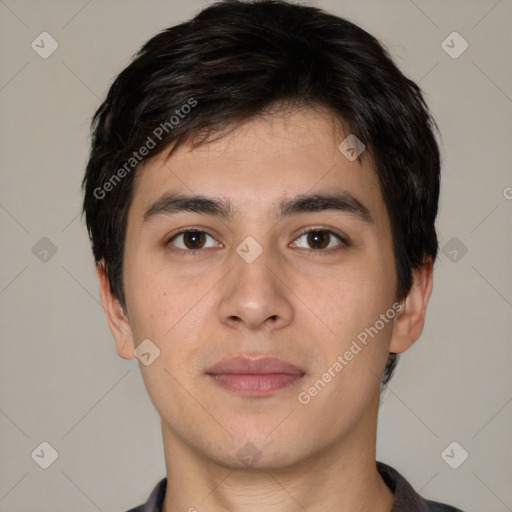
256 450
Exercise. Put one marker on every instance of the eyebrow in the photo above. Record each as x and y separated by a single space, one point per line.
171 203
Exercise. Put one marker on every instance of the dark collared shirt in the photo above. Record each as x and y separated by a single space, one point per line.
406 498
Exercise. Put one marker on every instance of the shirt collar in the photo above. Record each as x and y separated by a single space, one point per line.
406 498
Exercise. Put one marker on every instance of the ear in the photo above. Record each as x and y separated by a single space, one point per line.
409 322
117 320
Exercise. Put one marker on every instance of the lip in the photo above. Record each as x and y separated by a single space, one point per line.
254 365
254 376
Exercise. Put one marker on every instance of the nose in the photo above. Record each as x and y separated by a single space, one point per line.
255 295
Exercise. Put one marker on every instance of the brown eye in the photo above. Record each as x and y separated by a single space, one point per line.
191 240
320 239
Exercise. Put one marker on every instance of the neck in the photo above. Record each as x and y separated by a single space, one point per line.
340 477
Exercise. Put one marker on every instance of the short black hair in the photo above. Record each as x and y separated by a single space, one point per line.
237 60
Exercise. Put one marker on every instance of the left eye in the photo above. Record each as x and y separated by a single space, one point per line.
320 239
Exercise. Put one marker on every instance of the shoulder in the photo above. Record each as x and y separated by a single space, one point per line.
155 500
406 498
434 506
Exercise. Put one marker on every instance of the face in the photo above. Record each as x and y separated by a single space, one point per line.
261 270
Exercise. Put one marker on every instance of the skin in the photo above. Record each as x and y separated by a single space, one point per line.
293 301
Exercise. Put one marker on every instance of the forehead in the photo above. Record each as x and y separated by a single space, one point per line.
261 163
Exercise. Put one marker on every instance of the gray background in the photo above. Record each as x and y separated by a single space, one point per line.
61 380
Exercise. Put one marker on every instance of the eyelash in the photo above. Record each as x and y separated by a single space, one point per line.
190 252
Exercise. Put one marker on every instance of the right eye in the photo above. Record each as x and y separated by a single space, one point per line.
191 240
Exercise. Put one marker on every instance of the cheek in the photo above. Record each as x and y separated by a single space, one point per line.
151 289
163 311
351 298
156 308
353 301
171 311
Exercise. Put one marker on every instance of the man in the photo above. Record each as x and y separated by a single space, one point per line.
260 197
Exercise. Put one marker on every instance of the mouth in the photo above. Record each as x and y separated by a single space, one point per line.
255 376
